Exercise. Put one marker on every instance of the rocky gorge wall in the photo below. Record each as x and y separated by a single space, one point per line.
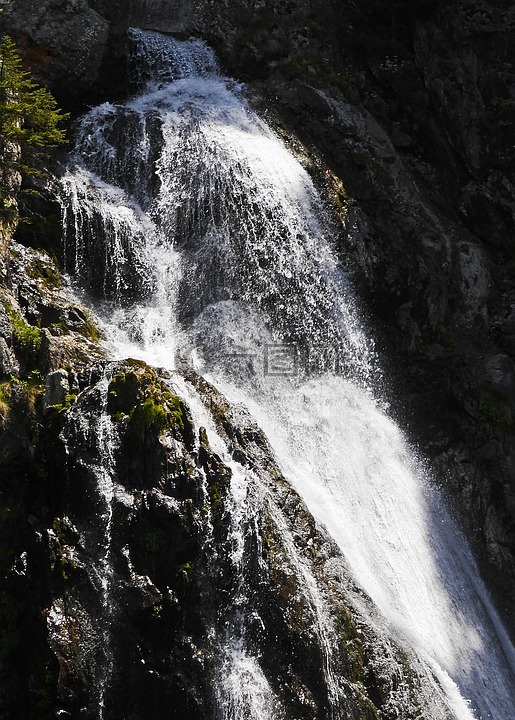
406 115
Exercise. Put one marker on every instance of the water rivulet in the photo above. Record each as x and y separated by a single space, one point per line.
202 243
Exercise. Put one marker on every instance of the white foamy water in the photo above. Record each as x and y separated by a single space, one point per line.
202 241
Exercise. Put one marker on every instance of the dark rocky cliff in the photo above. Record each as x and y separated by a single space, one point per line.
406 112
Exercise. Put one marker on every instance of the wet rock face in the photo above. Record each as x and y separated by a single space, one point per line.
132 531
41 330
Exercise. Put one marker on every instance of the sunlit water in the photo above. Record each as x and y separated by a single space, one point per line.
201 241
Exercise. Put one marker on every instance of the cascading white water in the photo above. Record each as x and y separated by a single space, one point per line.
106 446
206 243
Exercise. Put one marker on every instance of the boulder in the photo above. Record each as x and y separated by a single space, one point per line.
63 43
8 362
57 387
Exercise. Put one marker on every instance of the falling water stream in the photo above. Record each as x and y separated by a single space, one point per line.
201 241
106 487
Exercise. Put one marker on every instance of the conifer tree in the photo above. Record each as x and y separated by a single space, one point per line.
29 120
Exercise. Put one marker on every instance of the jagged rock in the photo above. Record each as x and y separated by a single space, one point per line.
57 387
8 363
63 42
38 297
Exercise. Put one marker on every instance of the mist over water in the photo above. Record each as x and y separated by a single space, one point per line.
201 241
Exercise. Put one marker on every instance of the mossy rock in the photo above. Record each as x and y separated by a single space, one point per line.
62 563
89 329
27 339
351 646
125 391
5 399
45 271
56 410
141 399
21 398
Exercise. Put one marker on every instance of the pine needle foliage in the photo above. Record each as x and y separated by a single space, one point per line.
30 120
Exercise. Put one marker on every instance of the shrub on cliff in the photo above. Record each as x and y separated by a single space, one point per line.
30 122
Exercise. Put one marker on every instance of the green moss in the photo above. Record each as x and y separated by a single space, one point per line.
156 415
282 572
8 212
46 272
5 399
268 534
60 563
90 330
27 338
60 408
86 328
184 572
216 499
22 395
137 365
123 393
34 377
59 329
157 611
145 401
368 711
337 192
351 646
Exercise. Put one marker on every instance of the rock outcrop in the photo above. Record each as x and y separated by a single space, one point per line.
142 547
64 43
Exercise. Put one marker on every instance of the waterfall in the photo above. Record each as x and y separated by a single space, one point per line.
202 241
